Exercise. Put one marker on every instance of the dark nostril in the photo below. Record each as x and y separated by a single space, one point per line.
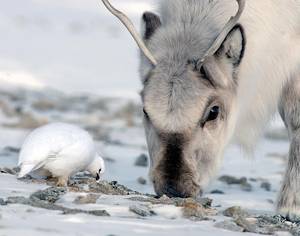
170 191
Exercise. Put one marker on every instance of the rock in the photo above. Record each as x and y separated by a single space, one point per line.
246 187
229 225
86 199
232 180
141 210
206 202
27 121
198 209
277 134
247 225
8 171
18 200
50 194
235 212
243 182
112 188
98 213
43 105
142 161
194 210
217 192
266 185
142 180
2 202
11 149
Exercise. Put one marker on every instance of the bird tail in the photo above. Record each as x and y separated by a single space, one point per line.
26 169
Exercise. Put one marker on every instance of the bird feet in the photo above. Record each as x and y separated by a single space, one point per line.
62 182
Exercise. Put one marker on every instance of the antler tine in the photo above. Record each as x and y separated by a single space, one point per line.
129 25
228 27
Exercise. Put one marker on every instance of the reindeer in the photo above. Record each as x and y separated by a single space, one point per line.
210 79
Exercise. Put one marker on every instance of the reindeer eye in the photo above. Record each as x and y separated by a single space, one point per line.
213 114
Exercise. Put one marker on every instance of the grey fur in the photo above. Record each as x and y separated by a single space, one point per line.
240 78
289 107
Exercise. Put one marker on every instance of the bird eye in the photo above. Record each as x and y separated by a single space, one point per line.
97 176
213 113
145 113
100 170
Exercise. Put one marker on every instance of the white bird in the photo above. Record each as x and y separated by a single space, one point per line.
60 150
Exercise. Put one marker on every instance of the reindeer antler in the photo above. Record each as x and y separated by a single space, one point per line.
129 25
227 28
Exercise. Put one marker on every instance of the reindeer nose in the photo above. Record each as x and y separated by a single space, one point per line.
171 191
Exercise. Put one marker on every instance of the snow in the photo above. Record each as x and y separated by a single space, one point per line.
75 46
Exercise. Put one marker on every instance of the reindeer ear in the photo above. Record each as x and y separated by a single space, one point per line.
233 46
151 24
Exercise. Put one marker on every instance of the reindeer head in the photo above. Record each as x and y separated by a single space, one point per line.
188 99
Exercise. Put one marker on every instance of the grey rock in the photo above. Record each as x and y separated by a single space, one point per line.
51 194
231 180
141 210
216 191
11 149
277 134
110 188
142 161
9 171
247 225
2 202
87 199
246 187
18 200
142 180
229 225
266 185
235 212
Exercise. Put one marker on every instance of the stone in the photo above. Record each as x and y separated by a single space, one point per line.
142 180
266 186
232 180
229 225
51 194
216 191
18 200
243 182
235 212
141 210
2 202
86 199
142 161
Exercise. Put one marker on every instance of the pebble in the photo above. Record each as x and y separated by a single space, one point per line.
51 194
142 181
141 210
217 192
86 199
2 202
142 161
231 180
235 212
229 225
266 186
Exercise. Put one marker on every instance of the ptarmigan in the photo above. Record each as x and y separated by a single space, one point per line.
60 150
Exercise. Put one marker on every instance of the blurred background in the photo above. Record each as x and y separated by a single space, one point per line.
69 45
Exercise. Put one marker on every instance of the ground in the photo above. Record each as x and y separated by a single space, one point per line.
91 208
